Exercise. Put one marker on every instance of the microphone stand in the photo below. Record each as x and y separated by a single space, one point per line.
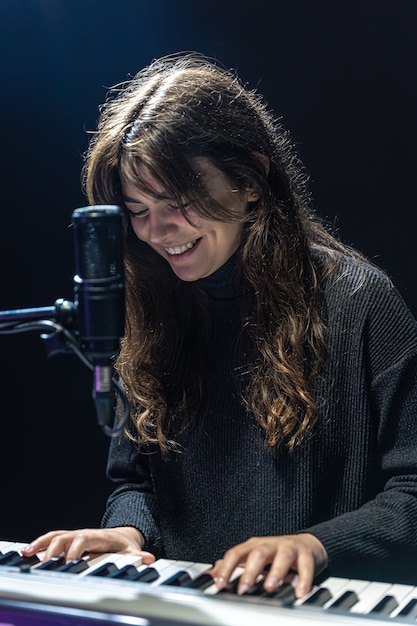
60 336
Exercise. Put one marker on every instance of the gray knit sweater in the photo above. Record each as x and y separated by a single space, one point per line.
353 484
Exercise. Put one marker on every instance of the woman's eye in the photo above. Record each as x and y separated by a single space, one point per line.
139 214
179 207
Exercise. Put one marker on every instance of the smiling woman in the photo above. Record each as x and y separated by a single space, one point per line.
194 246
271 371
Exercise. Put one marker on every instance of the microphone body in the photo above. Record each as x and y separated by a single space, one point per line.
99 295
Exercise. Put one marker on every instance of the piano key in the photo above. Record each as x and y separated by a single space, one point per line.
402 595
51 564
130 567
257 589
9 556
285 593
408 610
385 606
127 572
213 589
73 567
179 579
167 568
345 601
103 570
13 558
148 575
369 596
97 561
319 597
6 546
333 586
201 582
16 547
24 561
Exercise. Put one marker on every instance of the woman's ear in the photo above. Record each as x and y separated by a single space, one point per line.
252 195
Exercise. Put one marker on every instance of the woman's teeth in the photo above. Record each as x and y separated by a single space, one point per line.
181 249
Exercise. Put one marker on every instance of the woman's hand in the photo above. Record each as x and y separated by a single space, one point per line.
74 543
302 553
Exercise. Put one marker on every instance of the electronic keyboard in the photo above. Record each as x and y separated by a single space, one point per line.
118 589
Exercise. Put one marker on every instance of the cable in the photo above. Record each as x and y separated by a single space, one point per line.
70 343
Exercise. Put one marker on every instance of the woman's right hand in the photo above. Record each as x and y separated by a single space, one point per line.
73 544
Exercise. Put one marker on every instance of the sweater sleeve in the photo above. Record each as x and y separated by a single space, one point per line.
383 531
133 502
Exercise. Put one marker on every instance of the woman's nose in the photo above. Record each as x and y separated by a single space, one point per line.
160 227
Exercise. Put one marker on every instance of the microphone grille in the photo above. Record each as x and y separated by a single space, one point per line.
98 241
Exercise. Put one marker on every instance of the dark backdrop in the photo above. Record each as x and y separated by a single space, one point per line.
341 74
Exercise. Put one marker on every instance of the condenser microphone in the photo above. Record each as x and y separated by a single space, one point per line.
99 296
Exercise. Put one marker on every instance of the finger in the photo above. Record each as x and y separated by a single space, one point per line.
147 558
254 566
41 543
60 546
224 568
306 570
81 543
281 565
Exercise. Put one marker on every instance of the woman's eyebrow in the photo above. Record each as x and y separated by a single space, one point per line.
131 200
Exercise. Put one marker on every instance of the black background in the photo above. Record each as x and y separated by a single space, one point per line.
342 75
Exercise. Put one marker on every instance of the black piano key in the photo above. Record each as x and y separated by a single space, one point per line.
52 564
8 556
14 559
385 606
345 601
148 575
104 570
179 579
127 572
319 597
73 567
202 582
257 589
409 610
23 561
285 593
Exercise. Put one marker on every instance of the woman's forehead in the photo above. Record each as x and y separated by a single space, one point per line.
143 177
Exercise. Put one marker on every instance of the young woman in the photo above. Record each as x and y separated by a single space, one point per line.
271 371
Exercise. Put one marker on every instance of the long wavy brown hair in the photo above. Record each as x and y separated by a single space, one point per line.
179 108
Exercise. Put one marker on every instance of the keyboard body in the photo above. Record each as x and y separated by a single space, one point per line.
30 596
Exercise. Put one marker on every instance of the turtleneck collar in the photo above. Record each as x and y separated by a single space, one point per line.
223 284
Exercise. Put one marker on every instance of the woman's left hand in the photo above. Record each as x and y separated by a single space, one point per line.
302 553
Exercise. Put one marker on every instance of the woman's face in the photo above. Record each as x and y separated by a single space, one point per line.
193 250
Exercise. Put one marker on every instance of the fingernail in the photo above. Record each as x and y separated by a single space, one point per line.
242 588
220 581
301 591
271 583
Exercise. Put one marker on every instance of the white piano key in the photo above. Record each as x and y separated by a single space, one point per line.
369 596
117 558
357 586
169 569
402 594
17 546
333 584
5 546
408 604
